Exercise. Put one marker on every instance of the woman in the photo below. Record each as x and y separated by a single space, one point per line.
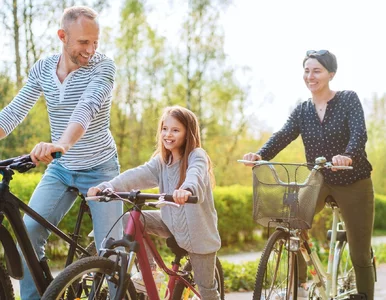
332 124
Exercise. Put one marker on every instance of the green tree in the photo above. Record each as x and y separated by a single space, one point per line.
376 129
140 61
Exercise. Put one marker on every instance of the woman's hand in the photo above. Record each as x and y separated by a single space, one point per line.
341 160
251 156
181 196
93 191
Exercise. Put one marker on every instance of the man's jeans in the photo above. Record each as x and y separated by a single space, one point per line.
52 199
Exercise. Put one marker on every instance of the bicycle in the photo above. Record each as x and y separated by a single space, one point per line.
92 274
10 208
285 197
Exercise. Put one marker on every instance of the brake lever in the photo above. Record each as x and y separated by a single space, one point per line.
162 202
22 167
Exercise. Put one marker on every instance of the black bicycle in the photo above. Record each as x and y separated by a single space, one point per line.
10 209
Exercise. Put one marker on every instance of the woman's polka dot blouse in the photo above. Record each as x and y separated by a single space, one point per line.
342 131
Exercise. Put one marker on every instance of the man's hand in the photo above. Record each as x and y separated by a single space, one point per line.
181 196
251 156
42 152
341 160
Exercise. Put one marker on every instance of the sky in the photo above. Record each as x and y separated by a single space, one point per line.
270 38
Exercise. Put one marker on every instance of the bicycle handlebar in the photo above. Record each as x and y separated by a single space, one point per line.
23 163
135 195
318 165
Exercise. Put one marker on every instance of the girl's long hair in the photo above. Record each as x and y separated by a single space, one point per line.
193 140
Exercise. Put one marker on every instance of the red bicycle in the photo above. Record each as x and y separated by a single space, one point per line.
108 276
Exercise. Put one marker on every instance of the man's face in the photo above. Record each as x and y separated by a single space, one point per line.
80 41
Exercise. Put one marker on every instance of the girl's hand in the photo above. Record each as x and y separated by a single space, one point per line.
92 191
341 160
251 156
181 196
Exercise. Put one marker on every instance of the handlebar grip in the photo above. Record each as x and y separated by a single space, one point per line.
56 155
191 199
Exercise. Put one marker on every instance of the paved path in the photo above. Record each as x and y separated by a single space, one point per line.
379 293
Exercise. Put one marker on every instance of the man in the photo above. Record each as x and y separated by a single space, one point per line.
77 85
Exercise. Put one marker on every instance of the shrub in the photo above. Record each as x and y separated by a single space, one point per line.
234 210
239 277
380 212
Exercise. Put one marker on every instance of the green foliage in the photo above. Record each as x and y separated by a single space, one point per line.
234 209
24 184
380 212
239 277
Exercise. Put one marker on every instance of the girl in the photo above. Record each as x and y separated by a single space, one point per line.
180 167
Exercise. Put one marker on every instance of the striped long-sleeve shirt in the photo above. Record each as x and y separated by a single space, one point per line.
84 97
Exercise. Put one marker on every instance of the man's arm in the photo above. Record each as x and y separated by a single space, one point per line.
42 151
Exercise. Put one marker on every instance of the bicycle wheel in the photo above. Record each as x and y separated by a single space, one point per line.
180 290
88 278
277 272
6 289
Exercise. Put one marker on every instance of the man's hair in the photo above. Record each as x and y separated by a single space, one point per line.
71 14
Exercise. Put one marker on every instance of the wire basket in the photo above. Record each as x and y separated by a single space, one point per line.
285 194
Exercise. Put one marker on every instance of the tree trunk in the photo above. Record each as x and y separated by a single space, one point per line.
16 38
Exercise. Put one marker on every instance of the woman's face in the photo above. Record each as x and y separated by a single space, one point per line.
316 76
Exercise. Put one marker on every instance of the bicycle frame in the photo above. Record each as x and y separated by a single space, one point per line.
326 280
135 237
10 207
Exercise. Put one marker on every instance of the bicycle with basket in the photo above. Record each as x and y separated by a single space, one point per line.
285 197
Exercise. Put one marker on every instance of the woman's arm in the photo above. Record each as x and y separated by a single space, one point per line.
357 128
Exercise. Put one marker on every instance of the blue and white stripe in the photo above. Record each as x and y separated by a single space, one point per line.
84 97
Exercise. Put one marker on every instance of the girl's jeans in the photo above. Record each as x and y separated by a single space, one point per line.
52 199
203 265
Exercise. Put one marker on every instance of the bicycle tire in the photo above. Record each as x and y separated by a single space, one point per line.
180 288
6 288
83 272
273 270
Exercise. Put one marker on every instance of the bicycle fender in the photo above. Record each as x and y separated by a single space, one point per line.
11 255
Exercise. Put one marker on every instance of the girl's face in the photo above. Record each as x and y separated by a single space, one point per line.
316 76
173 135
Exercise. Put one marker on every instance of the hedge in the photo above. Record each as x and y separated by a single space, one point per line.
233 205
